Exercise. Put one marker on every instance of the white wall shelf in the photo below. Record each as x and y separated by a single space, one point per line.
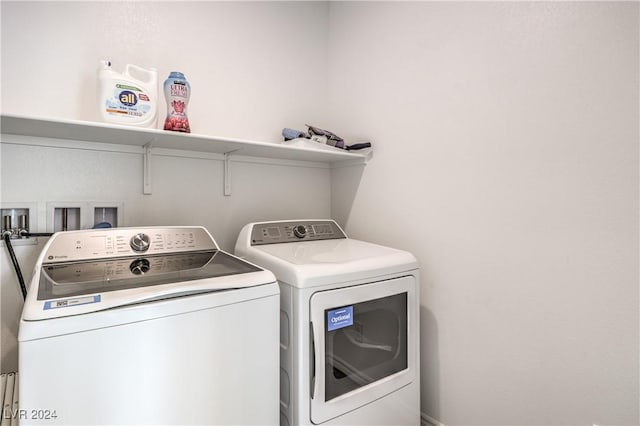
116 134
91 134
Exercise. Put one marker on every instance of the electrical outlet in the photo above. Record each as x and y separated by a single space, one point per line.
73 215
64 216
66 219
106 214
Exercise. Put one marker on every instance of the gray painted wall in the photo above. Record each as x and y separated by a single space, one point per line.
506 159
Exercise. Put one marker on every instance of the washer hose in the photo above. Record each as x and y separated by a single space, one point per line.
16 266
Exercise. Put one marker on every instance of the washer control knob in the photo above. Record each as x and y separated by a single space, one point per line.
300 231
140 242
140 266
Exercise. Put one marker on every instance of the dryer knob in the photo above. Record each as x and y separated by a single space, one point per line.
300 231
140 242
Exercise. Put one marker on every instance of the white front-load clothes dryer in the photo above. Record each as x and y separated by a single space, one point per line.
150 325
349 334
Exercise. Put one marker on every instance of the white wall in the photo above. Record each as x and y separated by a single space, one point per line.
246 62
506 159
245 65
506 139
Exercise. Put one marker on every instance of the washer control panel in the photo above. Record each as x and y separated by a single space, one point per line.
293 231
118 242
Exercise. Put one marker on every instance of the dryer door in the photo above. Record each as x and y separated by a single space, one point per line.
365 344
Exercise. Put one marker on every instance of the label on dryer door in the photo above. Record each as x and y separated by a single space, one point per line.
339 318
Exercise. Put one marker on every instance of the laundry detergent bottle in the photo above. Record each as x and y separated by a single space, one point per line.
127 98
177 91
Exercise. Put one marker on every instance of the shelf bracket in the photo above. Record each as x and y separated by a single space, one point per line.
227 172
146 168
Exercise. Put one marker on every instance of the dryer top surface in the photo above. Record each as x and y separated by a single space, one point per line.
310 263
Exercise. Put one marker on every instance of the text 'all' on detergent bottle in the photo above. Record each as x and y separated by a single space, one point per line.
177 91
128 99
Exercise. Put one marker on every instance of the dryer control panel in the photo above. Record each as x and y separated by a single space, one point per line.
294 231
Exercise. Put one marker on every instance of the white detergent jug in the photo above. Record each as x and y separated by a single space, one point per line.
125 99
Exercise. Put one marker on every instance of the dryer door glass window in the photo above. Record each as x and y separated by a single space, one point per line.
364 342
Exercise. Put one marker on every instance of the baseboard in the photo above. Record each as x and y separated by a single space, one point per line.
426 420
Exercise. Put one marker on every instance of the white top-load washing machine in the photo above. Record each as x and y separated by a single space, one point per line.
348 324
149 325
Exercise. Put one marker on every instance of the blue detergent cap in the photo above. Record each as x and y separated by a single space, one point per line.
289 134
102 225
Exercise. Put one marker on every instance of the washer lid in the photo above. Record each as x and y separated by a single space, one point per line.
71 288
312 263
